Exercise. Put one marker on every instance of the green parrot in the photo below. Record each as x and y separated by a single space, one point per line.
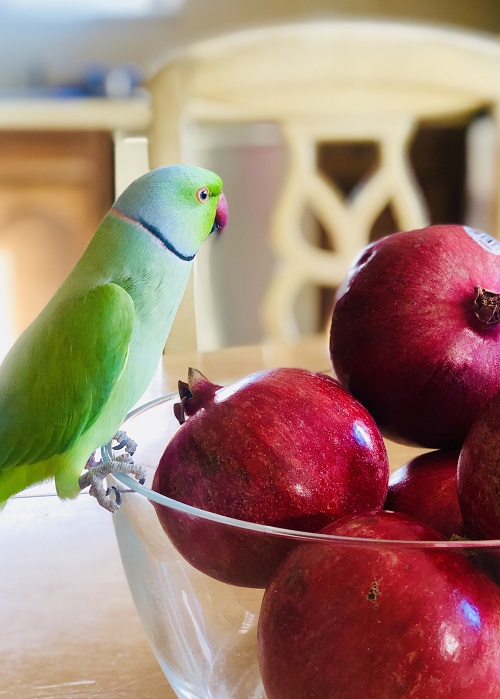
70 379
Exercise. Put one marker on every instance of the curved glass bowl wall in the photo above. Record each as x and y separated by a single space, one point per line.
202 631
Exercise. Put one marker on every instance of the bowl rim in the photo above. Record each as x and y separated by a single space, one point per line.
154 497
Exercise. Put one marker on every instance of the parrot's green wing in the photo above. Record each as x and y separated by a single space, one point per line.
55 386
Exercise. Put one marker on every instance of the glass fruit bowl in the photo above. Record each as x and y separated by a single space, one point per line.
342 617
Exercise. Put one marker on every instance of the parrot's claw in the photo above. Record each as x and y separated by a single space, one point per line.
118 495
96 473
124 442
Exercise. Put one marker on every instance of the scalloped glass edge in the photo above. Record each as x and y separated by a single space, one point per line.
134 485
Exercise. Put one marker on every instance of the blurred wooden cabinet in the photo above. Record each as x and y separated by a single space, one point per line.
55 187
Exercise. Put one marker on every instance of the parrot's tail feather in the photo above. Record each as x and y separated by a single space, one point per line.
15 479
66 476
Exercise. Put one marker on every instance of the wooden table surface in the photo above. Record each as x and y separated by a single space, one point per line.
68 626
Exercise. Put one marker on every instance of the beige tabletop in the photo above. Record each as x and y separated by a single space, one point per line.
68 626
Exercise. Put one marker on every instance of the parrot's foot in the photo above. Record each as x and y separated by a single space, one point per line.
95 475
97 471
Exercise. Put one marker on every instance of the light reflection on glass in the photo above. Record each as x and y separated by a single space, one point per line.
248 622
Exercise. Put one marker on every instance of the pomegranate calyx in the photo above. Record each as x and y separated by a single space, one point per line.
184 391
196 378
486 305
180 408
194 394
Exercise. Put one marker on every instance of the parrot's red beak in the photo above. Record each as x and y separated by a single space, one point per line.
220 215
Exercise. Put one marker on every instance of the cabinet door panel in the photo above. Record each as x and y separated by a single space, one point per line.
54 190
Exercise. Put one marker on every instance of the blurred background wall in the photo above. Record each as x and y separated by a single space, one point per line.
54 188
39 47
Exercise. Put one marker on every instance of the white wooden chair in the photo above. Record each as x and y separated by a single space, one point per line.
320 82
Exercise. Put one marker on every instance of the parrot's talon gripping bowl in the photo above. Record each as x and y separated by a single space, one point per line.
117 493
346 632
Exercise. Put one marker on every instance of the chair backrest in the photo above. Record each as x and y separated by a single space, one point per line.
328 81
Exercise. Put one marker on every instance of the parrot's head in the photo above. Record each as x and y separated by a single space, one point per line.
178 204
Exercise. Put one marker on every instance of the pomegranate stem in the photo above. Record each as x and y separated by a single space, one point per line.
486 305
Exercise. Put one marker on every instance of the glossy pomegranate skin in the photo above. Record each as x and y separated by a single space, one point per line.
345 622
405 339
284 447
426 488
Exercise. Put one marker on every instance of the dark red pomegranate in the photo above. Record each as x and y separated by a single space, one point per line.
426 488
284 447
415 334
380 621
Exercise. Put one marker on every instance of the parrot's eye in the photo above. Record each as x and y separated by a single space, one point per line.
203 195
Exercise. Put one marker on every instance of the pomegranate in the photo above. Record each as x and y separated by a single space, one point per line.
478 475
351 620
283 447
415 334
426 488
